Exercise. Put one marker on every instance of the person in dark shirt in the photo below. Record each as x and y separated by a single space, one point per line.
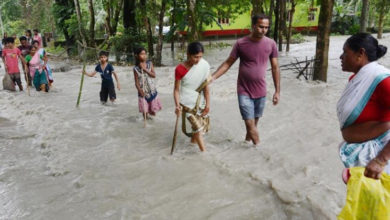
25 48
106 71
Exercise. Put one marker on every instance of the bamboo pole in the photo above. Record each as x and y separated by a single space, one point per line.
81 81
175 134
143 98
28 81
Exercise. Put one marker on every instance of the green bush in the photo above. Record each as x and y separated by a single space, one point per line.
297 38
353 29
122 45
55 50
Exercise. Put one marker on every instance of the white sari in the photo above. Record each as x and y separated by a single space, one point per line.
351 104
191 81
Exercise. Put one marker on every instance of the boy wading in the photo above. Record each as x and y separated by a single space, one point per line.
108 88
106 70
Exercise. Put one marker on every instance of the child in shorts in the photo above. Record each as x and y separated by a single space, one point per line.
10 56
106 70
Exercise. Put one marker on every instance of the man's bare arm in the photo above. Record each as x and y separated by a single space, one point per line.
224 67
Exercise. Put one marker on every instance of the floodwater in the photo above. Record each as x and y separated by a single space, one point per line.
99 162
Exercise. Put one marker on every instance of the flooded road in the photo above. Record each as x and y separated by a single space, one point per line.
99 162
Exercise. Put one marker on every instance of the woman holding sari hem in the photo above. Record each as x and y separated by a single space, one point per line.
191 93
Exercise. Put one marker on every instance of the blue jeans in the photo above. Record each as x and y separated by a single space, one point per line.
251 108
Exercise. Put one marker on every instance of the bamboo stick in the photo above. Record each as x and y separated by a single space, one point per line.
175 134
143 100
81 86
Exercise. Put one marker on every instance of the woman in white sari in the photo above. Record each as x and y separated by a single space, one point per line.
364 107
191 93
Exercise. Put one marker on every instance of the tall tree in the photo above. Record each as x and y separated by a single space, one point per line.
113 9
364 16
129 20
282 23
384 6
91 23
257 7
277 16
160 33
1 24
270 12
80 22
322 47
193 33
63 11
173 18
148 26
290 20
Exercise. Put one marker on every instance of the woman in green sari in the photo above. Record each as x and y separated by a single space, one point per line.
38 70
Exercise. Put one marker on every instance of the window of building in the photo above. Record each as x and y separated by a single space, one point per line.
312 14
223 20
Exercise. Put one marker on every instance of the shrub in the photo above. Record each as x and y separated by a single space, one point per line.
297 38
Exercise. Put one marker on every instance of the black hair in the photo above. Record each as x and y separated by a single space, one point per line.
195 48
35 41
137 51
22 38
373 50
29 31
36 30
257 17
103 53
9 40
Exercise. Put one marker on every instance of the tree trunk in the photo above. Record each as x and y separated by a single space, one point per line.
381 18
277 15
107 8
192 34
292 11
91 23
322 47
150 37
117 13
148 27
257 7
1 24
160 33
364 16
129 21
282 22
172 25
79 19
271 10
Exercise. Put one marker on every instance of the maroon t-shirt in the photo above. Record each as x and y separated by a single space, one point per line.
254 57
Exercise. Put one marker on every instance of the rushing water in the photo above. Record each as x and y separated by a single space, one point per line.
99 162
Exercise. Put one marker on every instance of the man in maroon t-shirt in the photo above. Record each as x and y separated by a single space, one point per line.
254 52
